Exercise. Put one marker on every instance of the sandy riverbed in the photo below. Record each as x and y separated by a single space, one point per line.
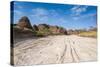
55 49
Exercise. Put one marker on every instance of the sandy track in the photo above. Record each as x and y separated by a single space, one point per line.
55 49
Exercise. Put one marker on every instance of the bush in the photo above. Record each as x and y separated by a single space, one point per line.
39 34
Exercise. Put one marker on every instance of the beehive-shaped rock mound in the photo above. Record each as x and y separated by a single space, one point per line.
24 22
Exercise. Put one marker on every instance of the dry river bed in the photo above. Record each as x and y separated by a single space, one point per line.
55 50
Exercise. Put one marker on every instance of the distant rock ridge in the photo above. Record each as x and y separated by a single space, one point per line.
24 29
50 28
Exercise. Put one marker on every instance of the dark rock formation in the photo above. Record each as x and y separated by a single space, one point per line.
24 22
35 28
23 29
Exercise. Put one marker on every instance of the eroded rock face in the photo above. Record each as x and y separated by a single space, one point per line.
24 22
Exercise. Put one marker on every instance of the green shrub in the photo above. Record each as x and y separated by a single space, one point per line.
40 34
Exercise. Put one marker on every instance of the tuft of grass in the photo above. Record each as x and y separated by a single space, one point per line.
89 34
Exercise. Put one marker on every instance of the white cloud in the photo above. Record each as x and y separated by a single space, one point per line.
51 16
89 15
39 11
84 16
44 12
77 10
53 13
39 14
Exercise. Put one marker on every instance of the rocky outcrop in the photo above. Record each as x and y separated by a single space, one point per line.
24 29
57 30
43 26
24 22
49 30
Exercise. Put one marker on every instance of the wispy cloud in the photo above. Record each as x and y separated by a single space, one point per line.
40 15
50 16
53 13
77 10
39 11
89 15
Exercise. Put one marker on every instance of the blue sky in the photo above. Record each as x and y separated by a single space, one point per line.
67 16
